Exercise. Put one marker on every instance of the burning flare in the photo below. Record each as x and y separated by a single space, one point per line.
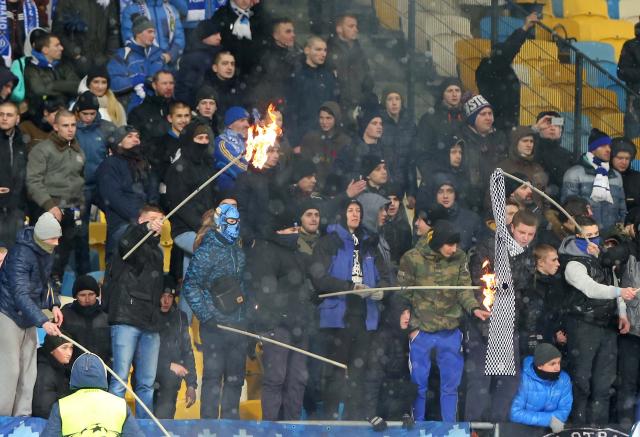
489 290
262 135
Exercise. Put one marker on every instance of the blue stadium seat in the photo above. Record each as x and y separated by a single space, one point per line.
622 96
614 9
567 136
506 26
598 51
558 10
635 164
599 80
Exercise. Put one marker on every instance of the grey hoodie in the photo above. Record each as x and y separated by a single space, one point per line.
371 204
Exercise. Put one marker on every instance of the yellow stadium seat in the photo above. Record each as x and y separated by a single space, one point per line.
537 99
611 123
636 141
473 48
617 46
98 240
598 99
467 71
599 29
387 14
251 410
166 243
564 27
589 8
557 74
534 50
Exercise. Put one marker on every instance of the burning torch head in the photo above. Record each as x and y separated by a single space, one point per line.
489 290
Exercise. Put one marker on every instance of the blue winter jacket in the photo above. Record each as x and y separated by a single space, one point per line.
228 146
537 400
195 11
578 181
165 24
24 279
93 141
214 258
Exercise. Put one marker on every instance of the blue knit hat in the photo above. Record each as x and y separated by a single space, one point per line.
473 106
234 114
597 138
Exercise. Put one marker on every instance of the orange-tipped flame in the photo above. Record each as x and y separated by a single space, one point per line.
489 290
262 136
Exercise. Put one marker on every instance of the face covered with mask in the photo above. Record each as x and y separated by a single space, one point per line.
227 219
583 243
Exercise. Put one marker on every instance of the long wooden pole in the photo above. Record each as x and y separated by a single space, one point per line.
400 289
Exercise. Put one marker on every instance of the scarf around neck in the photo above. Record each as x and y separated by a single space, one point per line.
242 26
601 192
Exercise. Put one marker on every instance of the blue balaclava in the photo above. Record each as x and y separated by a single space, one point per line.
583 243
227 220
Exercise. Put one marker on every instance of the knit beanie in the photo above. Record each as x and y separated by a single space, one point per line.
201 129
98 71
597 138
47 227
623 144
443 233
544 353
140 23
510 185
118 135
369 163
206 93
87 101
206 28
473 106
169 284
366 116
390 90
85 282
301 169
234 114
306 205
53 342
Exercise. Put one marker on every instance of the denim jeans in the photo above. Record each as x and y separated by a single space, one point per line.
131 345
185 242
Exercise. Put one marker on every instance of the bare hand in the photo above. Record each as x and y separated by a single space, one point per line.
58 318
155 226
297 150
57 213
543 123
593 249
4 190
288 231
355 188
411 202
623 325
413 334
178 369
561 337
628 293
481 314
530 21
51 328
166 57
191 396
629 230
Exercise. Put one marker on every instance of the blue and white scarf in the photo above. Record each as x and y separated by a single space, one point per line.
601 191
198 11
31 21
242 26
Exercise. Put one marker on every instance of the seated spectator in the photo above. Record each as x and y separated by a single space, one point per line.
19 64
161 151
229 145
544 397
388 388
196 60
98 82
150 116
313 83
52 382
323 145
623 152
554 159
89 31
7 82
38 127
46 76
79 415
175 360
594 180
21 18
85 320
222 78
169 34
125 184
396 230
134 64
206 109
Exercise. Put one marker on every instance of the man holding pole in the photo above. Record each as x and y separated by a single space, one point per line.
436 314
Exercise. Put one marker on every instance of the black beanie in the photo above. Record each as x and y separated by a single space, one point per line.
206 28
301 169
87 101
366 116
443 233
623 144
169 284
85 282
446 83
53 342
369 163
510 185
206 92
306 205
394 189
544 353
98 71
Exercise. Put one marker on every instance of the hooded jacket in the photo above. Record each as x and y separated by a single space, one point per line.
88 374
400 137
371 205
517 163
52 384
538 400
23 282
194 63
13 168
7 76
93 139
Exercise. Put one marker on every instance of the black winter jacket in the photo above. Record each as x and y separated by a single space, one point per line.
230 92
175 345
90 327
442 123
150 117
52 383
629 64
13 170
555 161
399 138
194 63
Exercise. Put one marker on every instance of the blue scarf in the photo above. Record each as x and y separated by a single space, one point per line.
41 60
31 21
583 243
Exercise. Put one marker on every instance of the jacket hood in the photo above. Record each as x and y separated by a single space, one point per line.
334 109
25 237
569 247
88 372
190 149
371 204
7 76
515 136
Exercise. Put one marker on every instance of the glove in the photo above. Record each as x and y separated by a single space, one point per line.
139 89
376 295
210 325
378 423
556 425
408 422
138 79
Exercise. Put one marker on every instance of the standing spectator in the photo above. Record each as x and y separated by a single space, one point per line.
132 290
623 152
162 151
22 16
313 83
498 82
85 320
98 82
197 59
175 360
125 184
55 182
344 259
549 153
77 412
13 166
396 230
594 180
46 76
596 310
440 122
131 66
560 226
374 215
24 290
629 72
38 128
399 136
375 173
323 145
89 30
18 65
196 13
169 34
544 397
436 326
52 382
229 145
224 81
150 116
215 290
348 60
206 109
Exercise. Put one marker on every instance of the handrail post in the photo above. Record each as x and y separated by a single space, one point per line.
411 98
577 113
495 16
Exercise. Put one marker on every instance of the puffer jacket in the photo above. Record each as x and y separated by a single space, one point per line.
213 259
538 400
23 282
578 181
436 310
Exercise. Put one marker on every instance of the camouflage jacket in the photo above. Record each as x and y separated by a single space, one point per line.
436 310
